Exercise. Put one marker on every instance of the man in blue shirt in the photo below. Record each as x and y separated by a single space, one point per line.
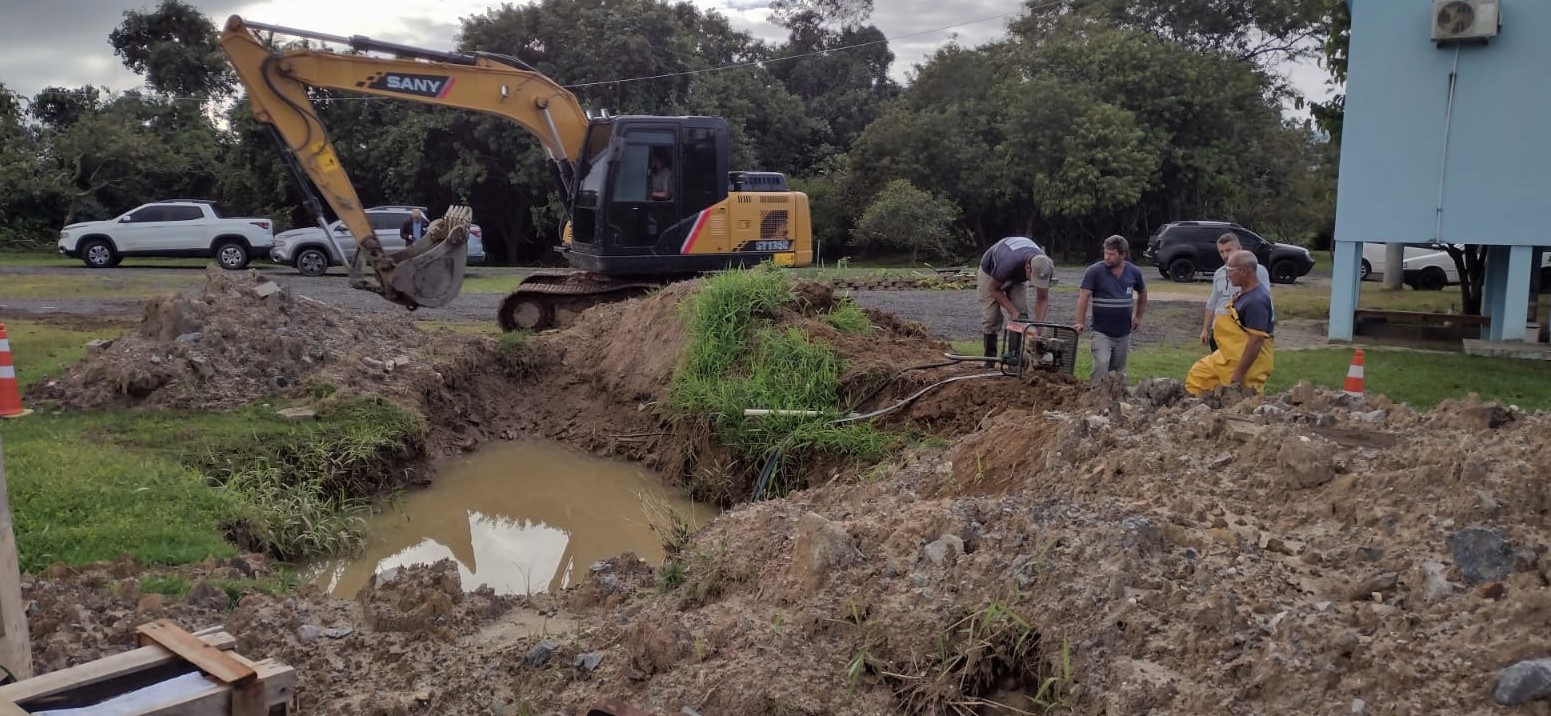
1118 294
1006 269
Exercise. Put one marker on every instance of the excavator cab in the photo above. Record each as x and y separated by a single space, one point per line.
655 198
645 183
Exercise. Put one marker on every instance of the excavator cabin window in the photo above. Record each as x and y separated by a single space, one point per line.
644 197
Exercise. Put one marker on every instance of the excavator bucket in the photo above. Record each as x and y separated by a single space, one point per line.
430 272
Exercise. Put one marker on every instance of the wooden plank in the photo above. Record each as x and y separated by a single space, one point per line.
277 681
209 659
15 646
104 669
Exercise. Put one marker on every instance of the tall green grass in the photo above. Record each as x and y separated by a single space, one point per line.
737 358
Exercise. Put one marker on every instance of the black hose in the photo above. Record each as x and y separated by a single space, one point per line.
895 377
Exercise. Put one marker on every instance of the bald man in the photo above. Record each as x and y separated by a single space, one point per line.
1245 342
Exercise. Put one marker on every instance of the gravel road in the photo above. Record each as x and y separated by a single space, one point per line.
952 315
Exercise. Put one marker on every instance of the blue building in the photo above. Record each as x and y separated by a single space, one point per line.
1447 140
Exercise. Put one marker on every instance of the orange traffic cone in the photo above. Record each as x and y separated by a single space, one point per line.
10 395
1354 375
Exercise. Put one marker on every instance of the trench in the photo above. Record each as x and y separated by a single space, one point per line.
523 517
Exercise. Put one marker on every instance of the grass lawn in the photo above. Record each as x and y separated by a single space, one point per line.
49 258
1307 299
1419 378
67 286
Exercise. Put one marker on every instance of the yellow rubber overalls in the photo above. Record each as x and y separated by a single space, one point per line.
1216 370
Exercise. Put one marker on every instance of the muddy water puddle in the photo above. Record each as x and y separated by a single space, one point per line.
525 517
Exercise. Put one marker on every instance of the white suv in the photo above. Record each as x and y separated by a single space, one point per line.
177 228
312 253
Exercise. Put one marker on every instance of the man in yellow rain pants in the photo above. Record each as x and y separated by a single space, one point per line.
1244 334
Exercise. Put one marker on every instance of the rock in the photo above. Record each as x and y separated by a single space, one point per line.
373 363
267 289
1378 583
601 565
1526 680
99 344
1434 585
308 633
1359 706
201 366
588 662
1490 417
1372 416
946 548
189 337
149 603
205 594
541 652
1140 533
297 414
1492 590
822 546
1307 463
1482 554
156 360
1370 554
338 632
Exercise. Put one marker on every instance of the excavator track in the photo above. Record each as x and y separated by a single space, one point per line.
553 300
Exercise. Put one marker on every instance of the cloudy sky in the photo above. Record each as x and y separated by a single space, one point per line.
65 42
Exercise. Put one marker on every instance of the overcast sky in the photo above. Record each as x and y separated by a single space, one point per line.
65 42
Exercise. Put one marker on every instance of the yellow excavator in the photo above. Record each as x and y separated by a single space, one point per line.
651 200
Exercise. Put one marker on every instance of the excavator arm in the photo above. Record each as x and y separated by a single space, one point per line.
430 273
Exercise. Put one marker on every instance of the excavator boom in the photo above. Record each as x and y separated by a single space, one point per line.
430 273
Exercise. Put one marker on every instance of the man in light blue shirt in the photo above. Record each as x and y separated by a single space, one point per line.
1223 290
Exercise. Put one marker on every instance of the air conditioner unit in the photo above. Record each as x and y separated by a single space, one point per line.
1465 20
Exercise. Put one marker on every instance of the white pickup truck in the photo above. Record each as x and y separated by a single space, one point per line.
178 229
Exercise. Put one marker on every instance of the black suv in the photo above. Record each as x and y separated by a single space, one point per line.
1182 250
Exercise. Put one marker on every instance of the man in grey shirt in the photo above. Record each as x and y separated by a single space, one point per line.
1006 270
1223 291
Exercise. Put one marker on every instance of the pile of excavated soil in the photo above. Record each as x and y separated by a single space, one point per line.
240 339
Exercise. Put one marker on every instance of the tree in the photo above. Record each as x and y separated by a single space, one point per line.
174 47
58 108
1268 31
841 12
905 218
842 79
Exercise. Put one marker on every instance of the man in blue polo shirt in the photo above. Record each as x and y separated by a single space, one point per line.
1118 294
1006 270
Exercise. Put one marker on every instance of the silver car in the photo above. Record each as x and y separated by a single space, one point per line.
312 253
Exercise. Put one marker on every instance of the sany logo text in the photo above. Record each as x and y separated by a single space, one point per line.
420 85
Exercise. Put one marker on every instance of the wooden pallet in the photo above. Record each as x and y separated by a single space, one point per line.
237 686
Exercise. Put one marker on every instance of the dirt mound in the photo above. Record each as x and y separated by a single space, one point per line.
239 339
79 614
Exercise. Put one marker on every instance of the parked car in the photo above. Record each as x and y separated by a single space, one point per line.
1183 250
310 251
178 228
1435 271
1373 259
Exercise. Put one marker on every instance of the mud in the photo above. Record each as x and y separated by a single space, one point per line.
1051 545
